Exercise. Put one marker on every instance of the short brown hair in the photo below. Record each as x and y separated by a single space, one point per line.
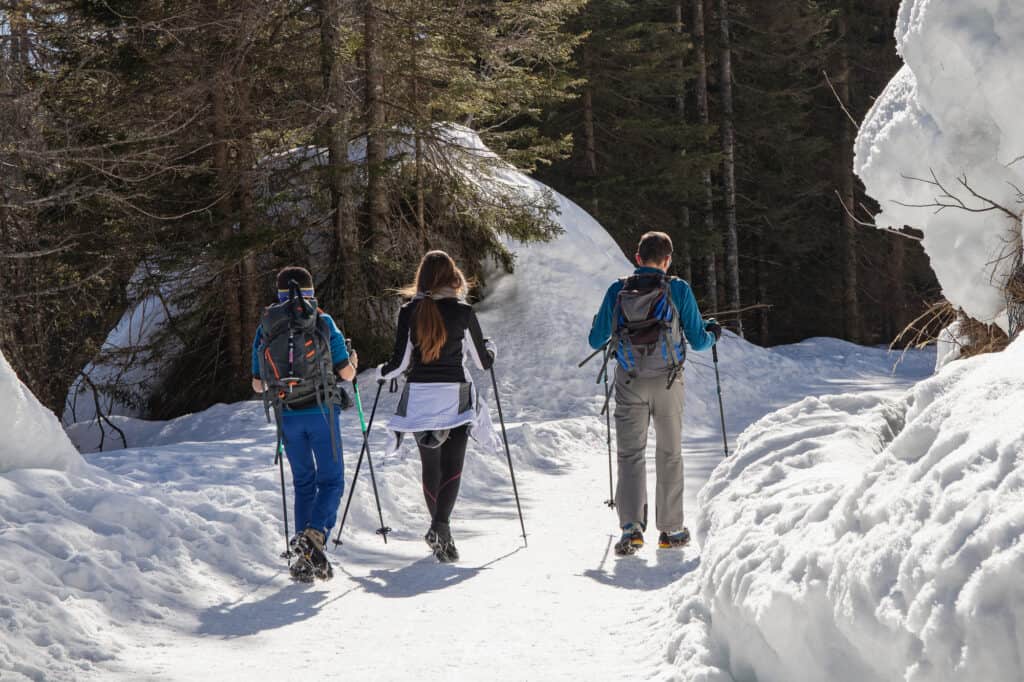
654 247
294 272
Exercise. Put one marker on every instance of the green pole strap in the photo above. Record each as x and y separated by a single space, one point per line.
359 404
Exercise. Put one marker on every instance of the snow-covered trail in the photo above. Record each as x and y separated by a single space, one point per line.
562 608
161 562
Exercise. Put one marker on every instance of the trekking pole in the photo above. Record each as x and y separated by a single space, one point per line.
508 454
359 463
610 502
721 407
279 461
594 354
383 530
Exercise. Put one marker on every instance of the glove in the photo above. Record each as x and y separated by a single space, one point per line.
492 350
713 327
345 399
380 373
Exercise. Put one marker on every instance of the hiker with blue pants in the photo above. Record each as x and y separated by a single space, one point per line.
317 470
644 318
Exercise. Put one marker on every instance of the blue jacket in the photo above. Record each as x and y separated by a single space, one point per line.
682 295
339 356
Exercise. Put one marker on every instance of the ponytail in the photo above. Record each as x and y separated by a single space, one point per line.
431 334
437 271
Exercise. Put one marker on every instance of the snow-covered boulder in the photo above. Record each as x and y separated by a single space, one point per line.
32 436
952 116
865 537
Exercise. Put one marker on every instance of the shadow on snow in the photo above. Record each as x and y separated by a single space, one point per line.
637 573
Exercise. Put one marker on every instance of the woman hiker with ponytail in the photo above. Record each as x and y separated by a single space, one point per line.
437 332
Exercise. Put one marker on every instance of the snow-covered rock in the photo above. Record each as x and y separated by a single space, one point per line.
952 114
32 436
868 537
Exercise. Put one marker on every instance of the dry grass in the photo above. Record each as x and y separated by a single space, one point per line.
981 338
977 337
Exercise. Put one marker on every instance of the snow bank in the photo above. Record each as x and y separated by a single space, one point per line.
119 380
953 110
89 559
33 438
868 537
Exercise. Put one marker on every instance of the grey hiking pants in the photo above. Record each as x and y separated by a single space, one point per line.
638 402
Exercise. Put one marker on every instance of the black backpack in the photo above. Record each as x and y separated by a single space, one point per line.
295 354
646 322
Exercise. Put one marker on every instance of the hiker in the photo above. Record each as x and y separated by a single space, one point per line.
643 319
437 331
298 355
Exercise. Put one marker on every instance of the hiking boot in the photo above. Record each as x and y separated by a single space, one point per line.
676 540
439 539
631 541
449 552
310 548
433 542
301 571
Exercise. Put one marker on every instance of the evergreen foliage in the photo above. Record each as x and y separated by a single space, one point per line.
186 149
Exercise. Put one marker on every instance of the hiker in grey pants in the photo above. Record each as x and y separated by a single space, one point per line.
645 318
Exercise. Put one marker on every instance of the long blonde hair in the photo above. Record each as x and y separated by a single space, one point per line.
437 271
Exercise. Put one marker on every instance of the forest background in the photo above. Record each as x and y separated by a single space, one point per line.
185 149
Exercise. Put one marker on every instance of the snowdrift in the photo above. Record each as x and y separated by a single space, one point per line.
164 540
33 438
865 537
953 113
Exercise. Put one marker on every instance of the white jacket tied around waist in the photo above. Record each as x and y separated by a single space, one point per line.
440 405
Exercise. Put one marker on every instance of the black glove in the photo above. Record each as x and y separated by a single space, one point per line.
344 399
713 327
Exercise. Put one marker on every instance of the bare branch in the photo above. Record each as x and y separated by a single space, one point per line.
839 99
28 255
873 226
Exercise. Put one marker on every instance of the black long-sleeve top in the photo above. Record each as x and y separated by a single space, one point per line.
464 338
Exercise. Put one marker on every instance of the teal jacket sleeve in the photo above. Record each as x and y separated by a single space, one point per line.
256 341
601 329
339 351
689 316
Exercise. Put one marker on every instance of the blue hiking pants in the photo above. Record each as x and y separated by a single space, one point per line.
319 478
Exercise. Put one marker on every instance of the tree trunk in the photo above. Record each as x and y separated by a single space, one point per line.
351 286
421 198
897 298
225 216
589 137
683 245
851 304
762 290
249 298
732 259
376 140
700 46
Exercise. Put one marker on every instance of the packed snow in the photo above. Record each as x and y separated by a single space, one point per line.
952 116
866 528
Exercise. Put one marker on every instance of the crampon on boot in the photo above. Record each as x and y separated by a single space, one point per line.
631 541
309 548
439 539
676 540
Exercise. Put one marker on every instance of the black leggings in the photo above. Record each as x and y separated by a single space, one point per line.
442 473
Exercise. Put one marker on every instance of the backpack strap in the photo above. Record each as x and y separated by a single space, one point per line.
624 351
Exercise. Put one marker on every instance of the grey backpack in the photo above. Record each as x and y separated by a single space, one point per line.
646 324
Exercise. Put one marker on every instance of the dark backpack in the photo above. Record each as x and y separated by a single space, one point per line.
295 354
646 324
